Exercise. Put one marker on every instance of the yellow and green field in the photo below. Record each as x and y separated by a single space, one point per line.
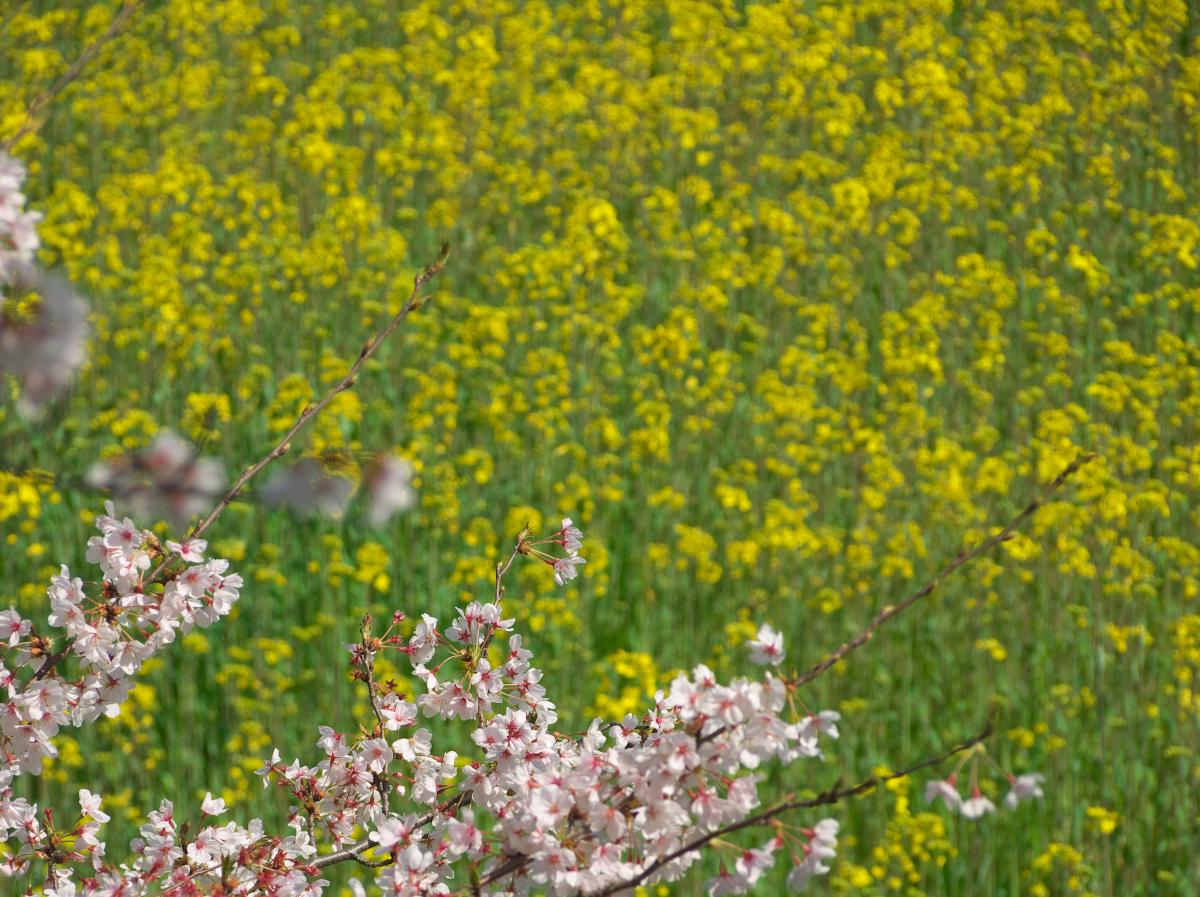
783 302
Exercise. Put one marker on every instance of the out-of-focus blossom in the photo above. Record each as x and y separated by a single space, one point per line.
43 333
308 489
946 790
977 805
18 228
167 479
1024 787
388 484
44 343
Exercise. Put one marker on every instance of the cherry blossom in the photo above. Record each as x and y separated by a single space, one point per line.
168 478
976 805
944 789
1024 787
766 648
388 487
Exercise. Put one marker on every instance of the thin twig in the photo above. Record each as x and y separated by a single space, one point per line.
502 569
313 409
501 572
369 646
31 124
893 610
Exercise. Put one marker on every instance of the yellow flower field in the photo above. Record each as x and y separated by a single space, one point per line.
783 302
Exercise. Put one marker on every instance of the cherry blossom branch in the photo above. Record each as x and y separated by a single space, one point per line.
894 610
119 23
311 410
370 645
354 852
834 795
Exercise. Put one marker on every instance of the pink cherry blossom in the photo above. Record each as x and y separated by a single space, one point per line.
945 790
1024 787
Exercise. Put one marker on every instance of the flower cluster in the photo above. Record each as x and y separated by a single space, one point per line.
130 616
531 808
569 538
107 635
623 802
167 479
310 488
1021 787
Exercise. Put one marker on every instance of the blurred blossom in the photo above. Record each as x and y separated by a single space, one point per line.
43 344
18 234
308 489
944 789
389 488
167 479
976 806
43 326
1024 787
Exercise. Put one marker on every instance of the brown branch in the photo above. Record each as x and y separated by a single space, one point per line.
341 856
51 662
893 610
30 124
834 795
512 863
313 409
